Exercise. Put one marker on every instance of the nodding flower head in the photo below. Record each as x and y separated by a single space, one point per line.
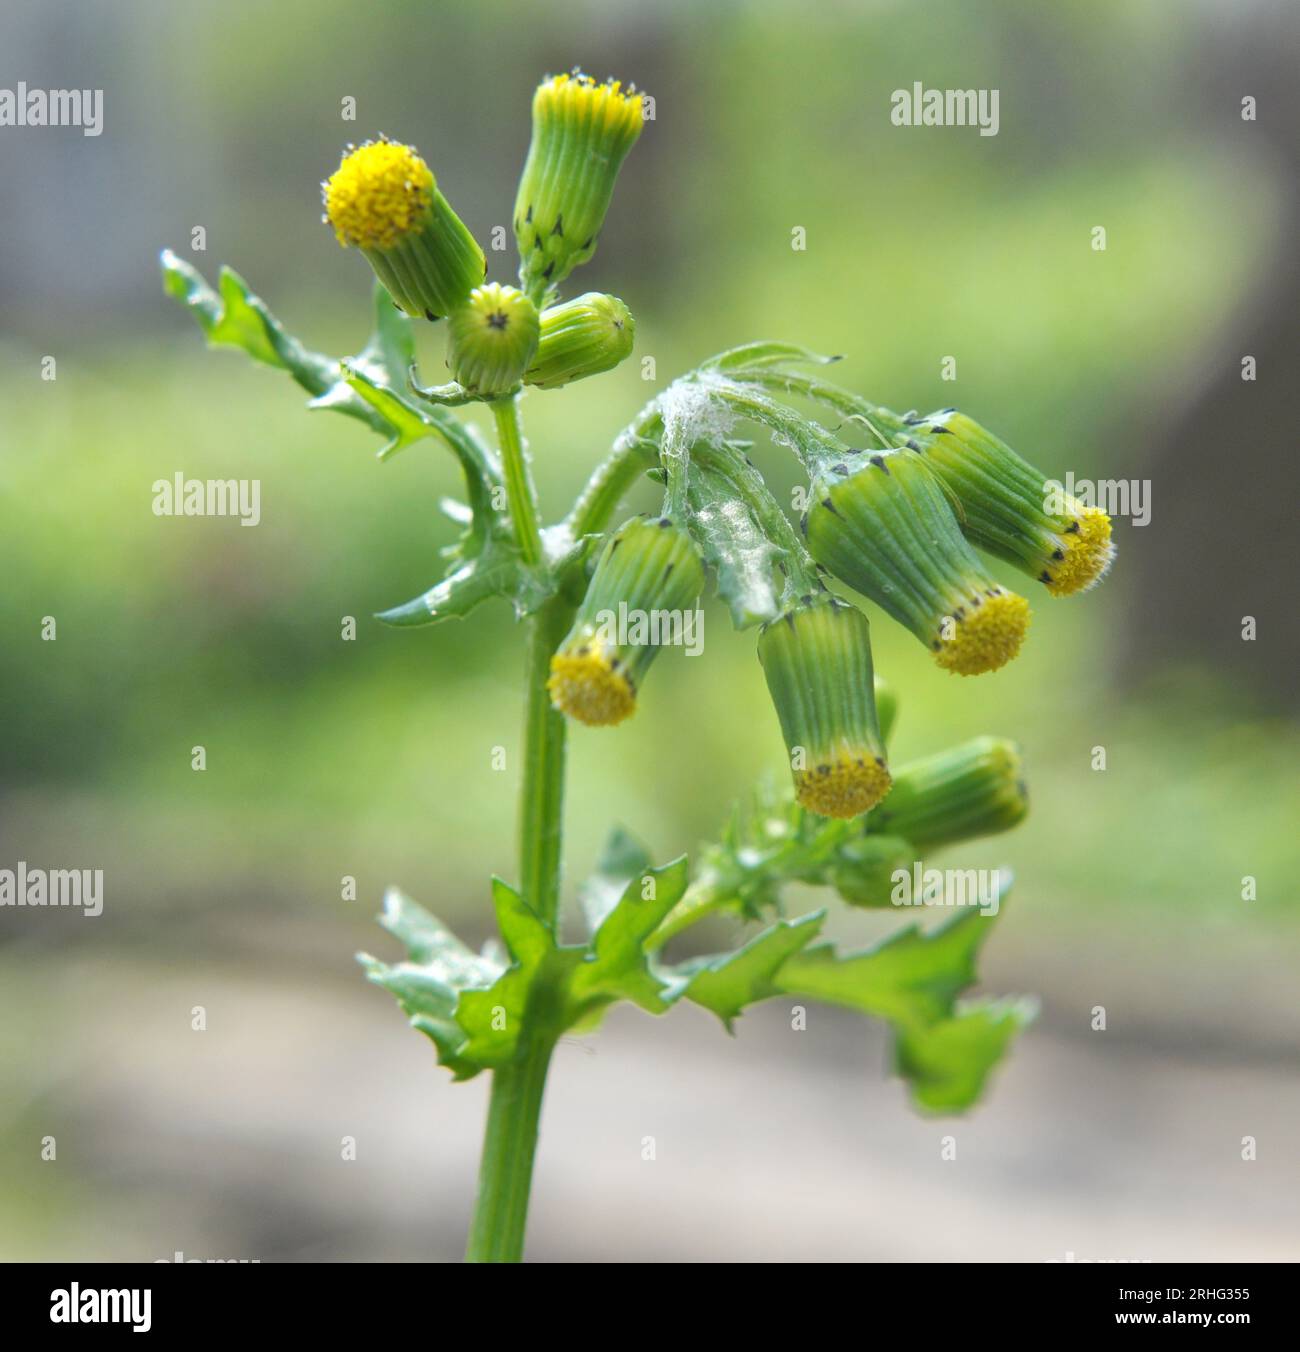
582 132
581 338
384 200
817 661
976 789
1014 511
492 338
642 597
881 522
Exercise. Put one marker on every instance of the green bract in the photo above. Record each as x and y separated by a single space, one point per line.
894 518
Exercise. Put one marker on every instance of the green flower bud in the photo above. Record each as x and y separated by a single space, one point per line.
581 338
492 338
1012 510
864 867
384 200
880 522
817 660
976 789
886 708
582 132
642 596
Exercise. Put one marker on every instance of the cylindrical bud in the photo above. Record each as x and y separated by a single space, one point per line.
864 868
1012 509
582 132
642 597
881 522
817 661
491 339
581 338
384 200
976 789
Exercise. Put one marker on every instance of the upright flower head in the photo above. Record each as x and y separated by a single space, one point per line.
881 523
1012 510
817 660
581 338
642 596
492 338
384 200
582 132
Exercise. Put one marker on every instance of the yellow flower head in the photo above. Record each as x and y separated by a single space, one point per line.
603 110
587 685
380 193
845 786
984 635
1085 554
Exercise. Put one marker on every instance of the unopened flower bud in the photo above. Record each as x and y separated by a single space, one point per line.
817 660
491 339
881 522
864 868
642 596
1012 510
976 789
582 132
581 338
384 200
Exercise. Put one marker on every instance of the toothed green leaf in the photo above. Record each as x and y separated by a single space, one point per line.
727 982
948 1063
622 859
944 1050
617 966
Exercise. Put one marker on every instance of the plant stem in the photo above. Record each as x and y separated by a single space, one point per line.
510 1139
541 795
505 1174
520 492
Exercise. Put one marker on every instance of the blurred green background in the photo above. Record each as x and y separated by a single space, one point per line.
373 758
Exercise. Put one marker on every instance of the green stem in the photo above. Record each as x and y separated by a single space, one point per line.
505 1174
520 493
541 796
510 1139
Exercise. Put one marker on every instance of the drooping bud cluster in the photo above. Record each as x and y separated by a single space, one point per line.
582 132
642 596
882 523
817 661
1014 511
383 199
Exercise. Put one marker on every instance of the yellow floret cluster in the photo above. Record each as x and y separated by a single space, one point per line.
380 193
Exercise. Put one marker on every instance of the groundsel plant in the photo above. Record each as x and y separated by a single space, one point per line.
897 506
